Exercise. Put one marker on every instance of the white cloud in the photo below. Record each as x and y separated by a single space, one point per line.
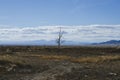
88 33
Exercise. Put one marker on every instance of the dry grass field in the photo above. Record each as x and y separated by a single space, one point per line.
66 63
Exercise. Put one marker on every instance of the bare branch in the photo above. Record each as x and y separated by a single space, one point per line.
59 39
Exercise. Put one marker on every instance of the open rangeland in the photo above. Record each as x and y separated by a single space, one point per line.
66 63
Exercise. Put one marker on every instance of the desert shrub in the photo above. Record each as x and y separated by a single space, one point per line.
9 51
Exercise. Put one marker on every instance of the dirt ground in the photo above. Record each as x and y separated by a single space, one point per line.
67 63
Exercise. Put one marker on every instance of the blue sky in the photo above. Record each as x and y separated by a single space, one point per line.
82 20
59 12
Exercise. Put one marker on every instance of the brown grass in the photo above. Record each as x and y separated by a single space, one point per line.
96 59
55 57
89 59
80 59
12 59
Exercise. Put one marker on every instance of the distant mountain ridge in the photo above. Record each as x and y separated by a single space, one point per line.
52 42
41 42
111 42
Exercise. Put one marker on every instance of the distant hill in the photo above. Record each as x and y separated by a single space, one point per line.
111 42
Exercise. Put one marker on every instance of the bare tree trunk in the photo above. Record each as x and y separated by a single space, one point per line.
59 39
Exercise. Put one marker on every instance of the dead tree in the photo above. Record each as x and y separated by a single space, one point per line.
59 40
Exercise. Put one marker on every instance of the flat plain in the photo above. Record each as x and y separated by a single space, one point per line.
66 63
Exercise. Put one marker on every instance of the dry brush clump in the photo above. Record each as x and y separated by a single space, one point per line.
15 64
13 59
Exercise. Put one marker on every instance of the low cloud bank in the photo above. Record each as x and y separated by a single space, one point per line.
88 33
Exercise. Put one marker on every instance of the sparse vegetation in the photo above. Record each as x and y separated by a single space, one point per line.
71 63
